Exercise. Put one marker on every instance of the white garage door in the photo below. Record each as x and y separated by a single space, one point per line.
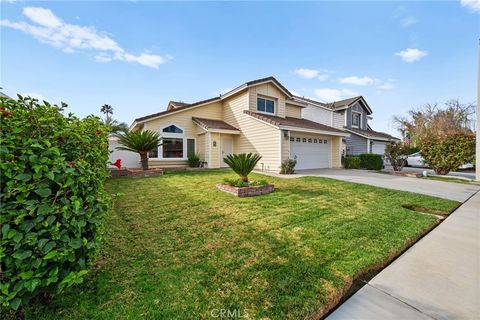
311 153
378 147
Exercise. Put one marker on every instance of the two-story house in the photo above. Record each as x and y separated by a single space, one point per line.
260 116
351 115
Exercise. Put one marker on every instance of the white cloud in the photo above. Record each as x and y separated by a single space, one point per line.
386 86
50 29
473 5
411 55
358 81
311 73
408 22
331 95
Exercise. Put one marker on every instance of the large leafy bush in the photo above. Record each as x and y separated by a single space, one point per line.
242 163
53 169
371 161
446 153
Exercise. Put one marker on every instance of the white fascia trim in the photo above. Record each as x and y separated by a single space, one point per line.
232 92
264 122
328 133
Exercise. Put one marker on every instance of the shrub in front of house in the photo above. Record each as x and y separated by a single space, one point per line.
351 162
193 160
371 161
53 169
396 154
447 153
288 166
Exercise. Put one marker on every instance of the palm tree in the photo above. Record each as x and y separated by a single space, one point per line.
115 127
141 143
108 110
242 163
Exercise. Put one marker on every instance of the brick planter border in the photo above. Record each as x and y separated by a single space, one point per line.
246 191
406 174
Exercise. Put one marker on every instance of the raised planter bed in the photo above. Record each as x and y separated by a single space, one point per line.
136 173
246 191
406 174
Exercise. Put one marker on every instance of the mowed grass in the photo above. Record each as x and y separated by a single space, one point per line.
175 247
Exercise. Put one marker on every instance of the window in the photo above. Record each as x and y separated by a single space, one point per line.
304 140
310 140
265 105
319 140
315 140
172 129
172 147
190 146
325 141
355 119
292 139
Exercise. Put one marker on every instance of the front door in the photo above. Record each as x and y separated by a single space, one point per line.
227 148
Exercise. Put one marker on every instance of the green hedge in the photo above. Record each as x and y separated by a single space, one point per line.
371 161
351 162
53 170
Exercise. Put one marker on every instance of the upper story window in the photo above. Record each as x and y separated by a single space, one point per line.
265 105
356 119
172 129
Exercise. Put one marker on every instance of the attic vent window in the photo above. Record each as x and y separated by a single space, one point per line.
172 129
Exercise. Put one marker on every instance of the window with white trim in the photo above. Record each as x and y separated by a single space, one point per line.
172 148
266 105
356 119
174 144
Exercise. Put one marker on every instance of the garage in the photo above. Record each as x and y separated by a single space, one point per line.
378 147
311 152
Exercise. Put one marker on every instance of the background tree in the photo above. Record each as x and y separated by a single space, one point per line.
444 135
114 126
141 143
396 153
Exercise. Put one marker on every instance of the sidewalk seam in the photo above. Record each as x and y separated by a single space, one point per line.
407 304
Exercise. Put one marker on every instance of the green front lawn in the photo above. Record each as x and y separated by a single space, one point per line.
175 247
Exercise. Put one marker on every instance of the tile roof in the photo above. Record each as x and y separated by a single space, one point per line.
213 124
292 122
373 134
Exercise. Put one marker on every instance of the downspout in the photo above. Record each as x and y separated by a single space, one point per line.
368 145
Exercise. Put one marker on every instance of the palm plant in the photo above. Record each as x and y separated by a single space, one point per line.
141 143
115 127
242 163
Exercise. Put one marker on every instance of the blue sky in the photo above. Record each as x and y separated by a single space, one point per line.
137 56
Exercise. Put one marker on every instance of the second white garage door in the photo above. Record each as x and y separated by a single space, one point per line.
378 147
311 153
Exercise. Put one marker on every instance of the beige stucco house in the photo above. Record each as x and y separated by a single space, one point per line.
260 116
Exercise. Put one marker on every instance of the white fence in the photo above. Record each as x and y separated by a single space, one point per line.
129 159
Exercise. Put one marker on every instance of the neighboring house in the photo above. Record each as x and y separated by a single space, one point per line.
260 116
351 115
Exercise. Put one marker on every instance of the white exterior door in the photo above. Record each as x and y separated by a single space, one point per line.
227 148
311 153
378 147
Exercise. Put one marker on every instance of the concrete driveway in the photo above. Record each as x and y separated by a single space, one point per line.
447 190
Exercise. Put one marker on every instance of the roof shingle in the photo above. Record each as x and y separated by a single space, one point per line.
373 134
213 124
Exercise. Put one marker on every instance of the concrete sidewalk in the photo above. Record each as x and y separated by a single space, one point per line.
447 190
437 278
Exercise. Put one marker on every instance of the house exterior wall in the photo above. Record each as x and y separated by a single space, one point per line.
356 145
336 144
191 130
357 107
267 90
339 119
293 111
318 114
